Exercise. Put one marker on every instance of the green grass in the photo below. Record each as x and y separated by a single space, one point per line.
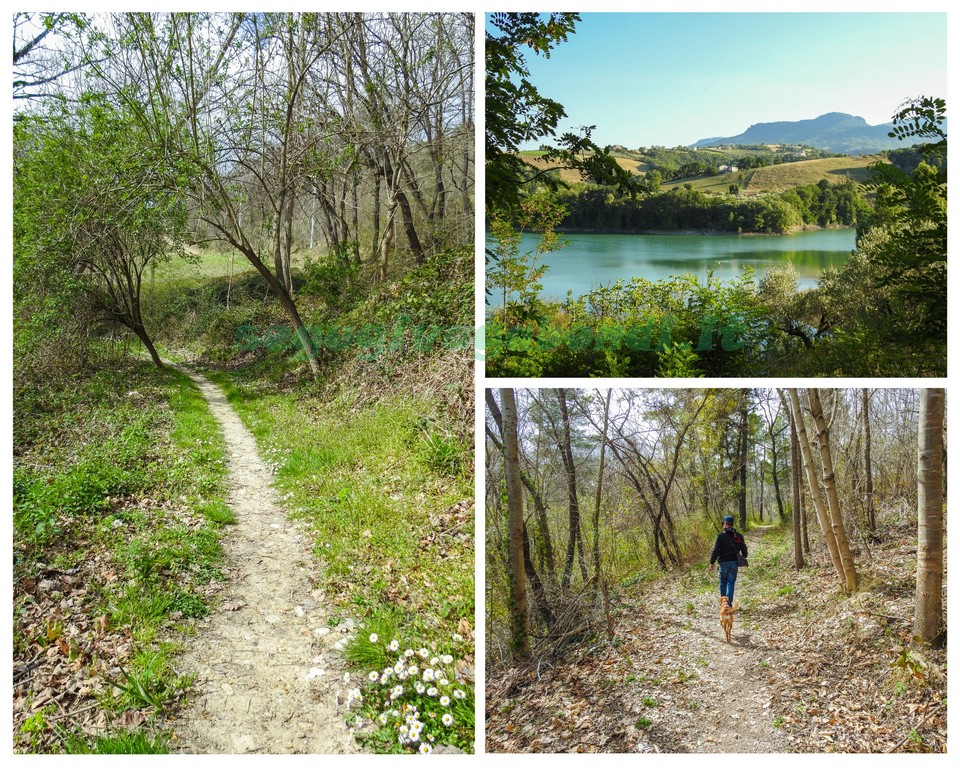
121 473
375 492
119 743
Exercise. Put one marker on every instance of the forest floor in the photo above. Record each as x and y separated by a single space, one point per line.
807 670
264 663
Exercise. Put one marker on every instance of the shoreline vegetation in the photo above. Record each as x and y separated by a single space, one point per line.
701 232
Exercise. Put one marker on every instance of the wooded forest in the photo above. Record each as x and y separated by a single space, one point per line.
243 319
602 507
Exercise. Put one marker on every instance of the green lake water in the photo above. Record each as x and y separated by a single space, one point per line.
589 261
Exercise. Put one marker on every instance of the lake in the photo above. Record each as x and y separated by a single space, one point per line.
589 261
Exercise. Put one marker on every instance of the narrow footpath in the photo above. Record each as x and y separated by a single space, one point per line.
265 664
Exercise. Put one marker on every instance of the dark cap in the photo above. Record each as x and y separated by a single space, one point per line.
728 519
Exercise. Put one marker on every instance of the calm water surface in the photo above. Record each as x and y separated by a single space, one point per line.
589 261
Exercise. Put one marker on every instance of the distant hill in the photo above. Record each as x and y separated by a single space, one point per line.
834 131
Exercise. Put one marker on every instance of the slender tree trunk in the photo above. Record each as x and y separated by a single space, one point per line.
744 415
599 495
813 482
573 502
928 623
795 471
519 631
871 512
830 487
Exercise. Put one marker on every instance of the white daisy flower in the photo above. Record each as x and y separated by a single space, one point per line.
373 677
420 687
408 653
445 701
448 659
426 749
374 637
458 694
429 675
423 653
447 719
431 691
394 645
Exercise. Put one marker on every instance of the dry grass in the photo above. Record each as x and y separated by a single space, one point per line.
779 178
573 177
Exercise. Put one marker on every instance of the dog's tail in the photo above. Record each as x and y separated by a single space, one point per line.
736 605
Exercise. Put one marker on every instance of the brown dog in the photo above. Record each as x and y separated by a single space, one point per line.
726 615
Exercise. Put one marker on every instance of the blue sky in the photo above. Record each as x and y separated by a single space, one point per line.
674 78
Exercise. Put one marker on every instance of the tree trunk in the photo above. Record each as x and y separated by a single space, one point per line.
830 487
795 470
599 495
519 632
540 601
928 622
573 502
744 416
822 515
868 471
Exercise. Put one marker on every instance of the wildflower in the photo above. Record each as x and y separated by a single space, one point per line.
457 638
420 687
404 730
423 653
408 653
374 637
442 681
412 670
434 661
429 675
431 691
458 694
394 645
373 677
426 749
445 701
448 659
430 736
447 719
382 718
358 721
396 692
399 667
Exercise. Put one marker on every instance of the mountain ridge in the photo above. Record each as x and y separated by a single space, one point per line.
832 131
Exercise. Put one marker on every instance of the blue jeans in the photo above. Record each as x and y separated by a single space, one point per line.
728 577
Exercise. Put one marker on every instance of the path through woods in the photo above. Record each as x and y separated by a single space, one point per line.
807 669
266 669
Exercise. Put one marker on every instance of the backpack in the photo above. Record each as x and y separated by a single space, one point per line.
741 560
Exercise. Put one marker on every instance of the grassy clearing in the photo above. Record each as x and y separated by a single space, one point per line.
780 178
118 497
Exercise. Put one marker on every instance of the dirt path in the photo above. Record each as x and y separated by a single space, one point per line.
727 697
265 664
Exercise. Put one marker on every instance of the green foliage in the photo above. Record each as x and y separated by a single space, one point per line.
515 110
599 208
119 743
91 212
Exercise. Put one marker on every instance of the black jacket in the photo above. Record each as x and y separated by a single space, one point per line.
725 550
